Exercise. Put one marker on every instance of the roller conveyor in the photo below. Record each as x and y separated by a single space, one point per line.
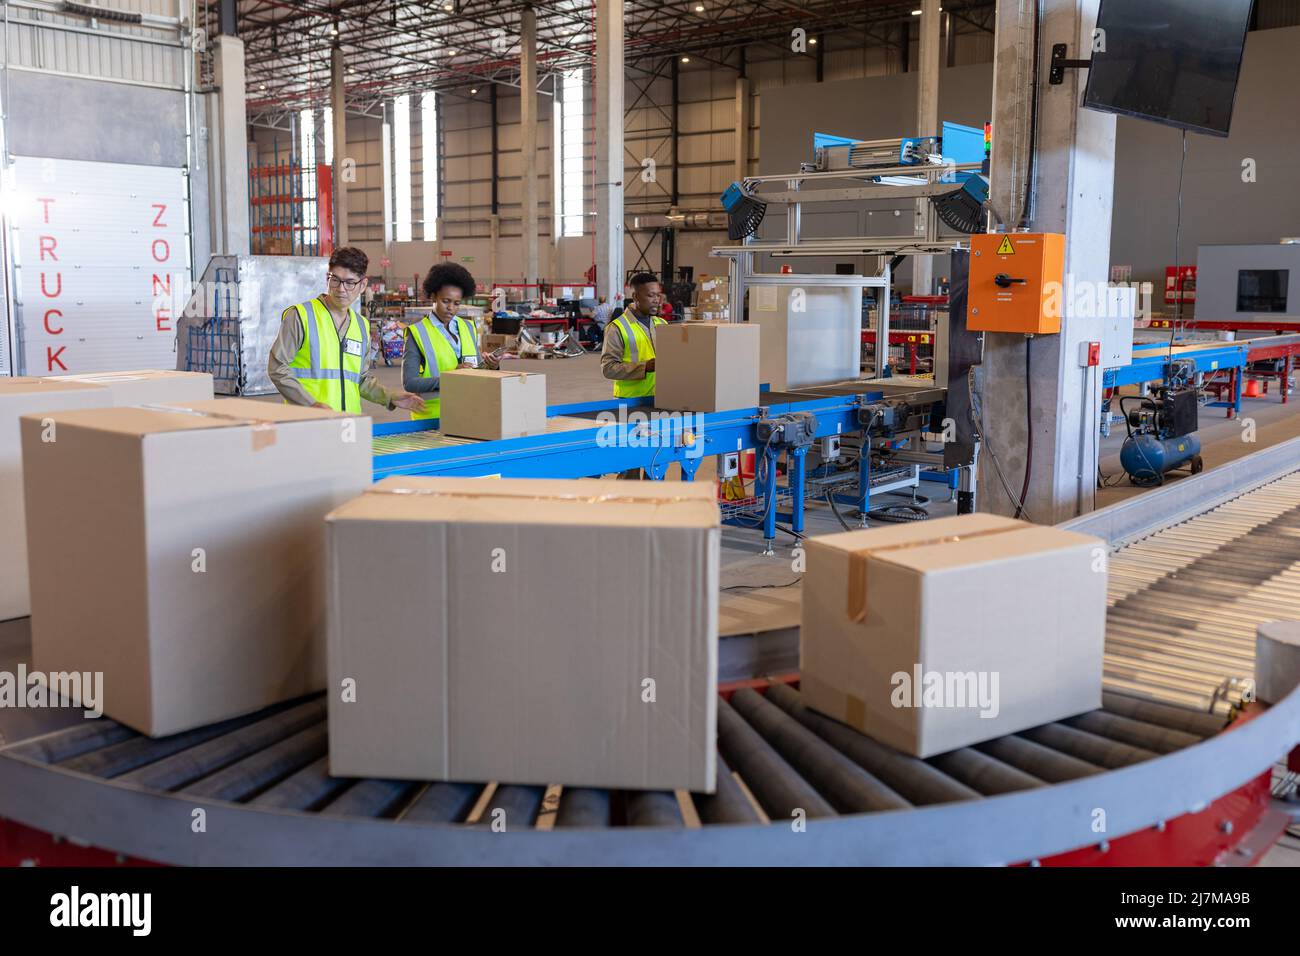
1150 755
1186 600
786 759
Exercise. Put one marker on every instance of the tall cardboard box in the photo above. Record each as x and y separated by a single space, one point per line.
706 366
481 403
18 397
484 666
182 553
148 386
945 633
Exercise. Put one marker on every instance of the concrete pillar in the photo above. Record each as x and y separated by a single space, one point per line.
342 164
1074 181
744 113
230 171
609 148
927 124
528 124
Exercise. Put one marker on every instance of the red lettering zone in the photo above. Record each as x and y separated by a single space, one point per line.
51 275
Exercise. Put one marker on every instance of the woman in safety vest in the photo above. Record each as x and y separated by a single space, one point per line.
440 341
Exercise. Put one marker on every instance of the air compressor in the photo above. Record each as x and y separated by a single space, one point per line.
1160 434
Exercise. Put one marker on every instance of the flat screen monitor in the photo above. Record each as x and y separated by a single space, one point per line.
1171 61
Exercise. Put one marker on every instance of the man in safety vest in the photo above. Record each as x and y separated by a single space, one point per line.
319 357
440 341
628 357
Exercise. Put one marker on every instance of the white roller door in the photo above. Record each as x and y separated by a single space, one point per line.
101 261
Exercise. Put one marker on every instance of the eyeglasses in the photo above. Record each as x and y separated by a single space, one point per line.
347 285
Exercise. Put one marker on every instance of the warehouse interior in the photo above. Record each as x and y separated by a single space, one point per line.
649 433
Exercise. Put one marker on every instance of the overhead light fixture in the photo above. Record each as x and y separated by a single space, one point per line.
473 90
449 7
699 8
334 31
916 13
812 41
686 59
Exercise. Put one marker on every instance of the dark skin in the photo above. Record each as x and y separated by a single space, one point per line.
646 300
446 303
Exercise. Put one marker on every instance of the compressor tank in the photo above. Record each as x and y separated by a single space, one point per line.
1147 458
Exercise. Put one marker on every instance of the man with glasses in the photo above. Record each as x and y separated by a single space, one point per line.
319 357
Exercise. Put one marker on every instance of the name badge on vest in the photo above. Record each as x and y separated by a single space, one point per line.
352 346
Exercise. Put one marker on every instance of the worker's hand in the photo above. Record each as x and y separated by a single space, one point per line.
467 365
491 363
650 365
320 405
410 401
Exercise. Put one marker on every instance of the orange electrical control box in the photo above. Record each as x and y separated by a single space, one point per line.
1016 282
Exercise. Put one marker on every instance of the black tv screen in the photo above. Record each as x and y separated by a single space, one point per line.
1172 61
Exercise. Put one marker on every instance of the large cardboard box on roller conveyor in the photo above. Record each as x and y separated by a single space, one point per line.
487 668
27 396
148 386
946 633
181 551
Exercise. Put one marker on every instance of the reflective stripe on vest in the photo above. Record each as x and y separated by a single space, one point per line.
637 347
441 346
327 371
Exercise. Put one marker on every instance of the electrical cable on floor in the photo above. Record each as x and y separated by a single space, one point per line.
762 587
899 514
830 500
976 414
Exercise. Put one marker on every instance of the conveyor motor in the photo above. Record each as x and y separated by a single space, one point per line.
1160 434
793 430
889 419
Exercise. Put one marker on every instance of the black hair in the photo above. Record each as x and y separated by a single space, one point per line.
351 258
642 278
449 273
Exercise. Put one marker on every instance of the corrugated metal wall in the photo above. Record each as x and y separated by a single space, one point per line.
55 43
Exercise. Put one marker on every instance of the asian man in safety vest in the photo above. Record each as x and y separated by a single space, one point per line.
628 357
441 341
319 357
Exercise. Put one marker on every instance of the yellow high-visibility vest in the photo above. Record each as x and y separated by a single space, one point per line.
637 347
437 350
327 367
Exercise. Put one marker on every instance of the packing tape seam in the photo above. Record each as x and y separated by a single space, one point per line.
263 433
857 597
585 499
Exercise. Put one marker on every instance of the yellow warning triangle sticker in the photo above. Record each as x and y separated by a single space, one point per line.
1005 248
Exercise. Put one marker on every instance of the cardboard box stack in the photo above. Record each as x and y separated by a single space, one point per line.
181 552
706 366
488 668
946 633
28 396
713 299
480 403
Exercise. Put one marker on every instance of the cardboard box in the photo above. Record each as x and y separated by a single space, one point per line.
487 668
706 366
182 553
18 397
148 386
945 633
480 403
491 341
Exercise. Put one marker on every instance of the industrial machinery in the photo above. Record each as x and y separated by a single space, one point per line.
1249 286
1178 755
1160 433
1016 282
